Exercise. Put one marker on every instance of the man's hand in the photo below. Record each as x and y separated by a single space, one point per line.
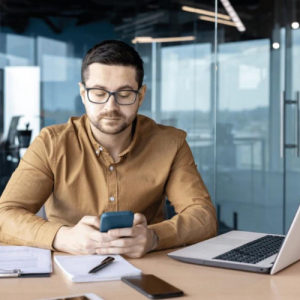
133 242
83 238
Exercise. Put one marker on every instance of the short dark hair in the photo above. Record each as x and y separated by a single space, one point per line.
113 52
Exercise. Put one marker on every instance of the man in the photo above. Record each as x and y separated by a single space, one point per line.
110 159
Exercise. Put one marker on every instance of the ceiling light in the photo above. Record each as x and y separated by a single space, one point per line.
142 39
295 25
232 13
148 39
276 46
204 12
219 21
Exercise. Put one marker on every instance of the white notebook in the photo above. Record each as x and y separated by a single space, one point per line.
77 267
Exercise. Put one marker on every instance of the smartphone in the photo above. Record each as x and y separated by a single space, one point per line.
118 219
88 296
152 286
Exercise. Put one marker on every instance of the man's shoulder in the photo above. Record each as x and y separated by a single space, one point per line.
61 130
151 130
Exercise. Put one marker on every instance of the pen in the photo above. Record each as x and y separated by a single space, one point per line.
108 260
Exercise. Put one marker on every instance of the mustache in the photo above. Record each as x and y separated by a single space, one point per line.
112 114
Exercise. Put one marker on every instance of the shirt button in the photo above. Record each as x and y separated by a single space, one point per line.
111 168
112 199
100 148
97 152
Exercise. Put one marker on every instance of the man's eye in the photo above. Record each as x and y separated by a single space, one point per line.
124 94
99 93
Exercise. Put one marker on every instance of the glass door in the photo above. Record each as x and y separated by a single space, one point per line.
290 112
249 166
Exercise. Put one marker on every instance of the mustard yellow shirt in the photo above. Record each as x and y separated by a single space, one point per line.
66 169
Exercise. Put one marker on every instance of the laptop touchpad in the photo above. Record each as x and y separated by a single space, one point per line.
223 241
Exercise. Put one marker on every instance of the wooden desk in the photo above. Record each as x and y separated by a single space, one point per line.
198 282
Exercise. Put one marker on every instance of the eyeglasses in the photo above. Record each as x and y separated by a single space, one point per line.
101 96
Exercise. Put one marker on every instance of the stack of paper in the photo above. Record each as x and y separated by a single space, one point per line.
29 260
77 267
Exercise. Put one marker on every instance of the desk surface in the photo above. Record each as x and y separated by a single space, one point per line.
198 282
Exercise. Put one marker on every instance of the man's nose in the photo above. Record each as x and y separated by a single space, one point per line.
111 104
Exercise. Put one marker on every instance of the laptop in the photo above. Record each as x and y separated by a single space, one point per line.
247 251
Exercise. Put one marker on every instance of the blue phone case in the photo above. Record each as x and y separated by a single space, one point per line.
118 219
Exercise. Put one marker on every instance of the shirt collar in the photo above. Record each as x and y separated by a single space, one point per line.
135 131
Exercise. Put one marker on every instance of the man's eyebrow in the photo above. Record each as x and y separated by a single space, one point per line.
126 86
122 87
98 86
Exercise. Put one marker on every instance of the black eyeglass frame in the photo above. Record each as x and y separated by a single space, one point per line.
111 93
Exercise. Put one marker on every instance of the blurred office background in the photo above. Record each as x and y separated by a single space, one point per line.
227 72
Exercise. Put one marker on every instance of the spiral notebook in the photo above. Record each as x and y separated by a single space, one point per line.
77 268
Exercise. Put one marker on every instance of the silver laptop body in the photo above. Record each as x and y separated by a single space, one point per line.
204 253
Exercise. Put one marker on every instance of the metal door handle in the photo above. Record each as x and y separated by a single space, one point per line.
283 145
297 124
282 123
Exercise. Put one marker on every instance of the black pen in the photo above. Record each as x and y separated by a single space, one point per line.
108 260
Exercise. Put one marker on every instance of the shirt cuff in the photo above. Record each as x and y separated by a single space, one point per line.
166 235
46 235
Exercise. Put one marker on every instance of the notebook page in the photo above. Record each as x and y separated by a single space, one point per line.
27 259
77 267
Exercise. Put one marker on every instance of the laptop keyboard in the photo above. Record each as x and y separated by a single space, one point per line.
255 251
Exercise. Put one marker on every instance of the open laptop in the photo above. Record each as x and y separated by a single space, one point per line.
247 251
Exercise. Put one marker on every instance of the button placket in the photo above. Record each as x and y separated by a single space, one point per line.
99 150
112 186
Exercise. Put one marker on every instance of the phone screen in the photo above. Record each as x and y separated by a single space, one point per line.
152 286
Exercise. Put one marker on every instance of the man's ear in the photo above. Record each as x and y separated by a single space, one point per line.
82 92
142 93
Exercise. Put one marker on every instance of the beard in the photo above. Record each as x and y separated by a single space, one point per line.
113 126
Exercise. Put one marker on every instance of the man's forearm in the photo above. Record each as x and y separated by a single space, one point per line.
195 224
21 227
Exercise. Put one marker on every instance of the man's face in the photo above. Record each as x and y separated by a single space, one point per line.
110 117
